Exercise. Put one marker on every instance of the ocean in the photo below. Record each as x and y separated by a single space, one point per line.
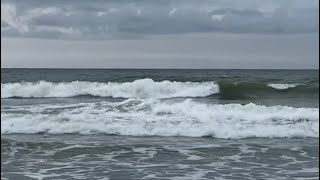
159 124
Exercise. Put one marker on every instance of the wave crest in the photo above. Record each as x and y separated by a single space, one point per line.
147 88
143 88
282 86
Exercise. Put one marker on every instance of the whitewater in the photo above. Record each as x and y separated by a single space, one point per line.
149 110
152 117
142 88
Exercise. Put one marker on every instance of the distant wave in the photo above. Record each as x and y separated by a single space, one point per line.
149 117
143 88
282 86
244 90
148 88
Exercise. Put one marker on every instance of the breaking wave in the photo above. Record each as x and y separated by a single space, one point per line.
143 88
151 117
148 88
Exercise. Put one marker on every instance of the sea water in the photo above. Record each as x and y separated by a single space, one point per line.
159 124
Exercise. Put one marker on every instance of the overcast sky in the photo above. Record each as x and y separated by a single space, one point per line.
160 33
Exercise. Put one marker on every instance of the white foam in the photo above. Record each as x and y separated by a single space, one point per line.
143 88
163 118
282 86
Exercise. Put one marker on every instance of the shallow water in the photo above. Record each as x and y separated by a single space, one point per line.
129 157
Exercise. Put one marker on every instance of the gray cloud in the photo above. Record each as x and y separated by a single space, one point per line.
137 18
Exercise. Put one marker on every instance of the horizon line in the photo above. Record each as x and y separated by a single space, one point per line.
160 68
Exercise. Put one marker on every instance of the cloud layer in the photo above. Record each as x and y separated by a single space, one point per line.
99 19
